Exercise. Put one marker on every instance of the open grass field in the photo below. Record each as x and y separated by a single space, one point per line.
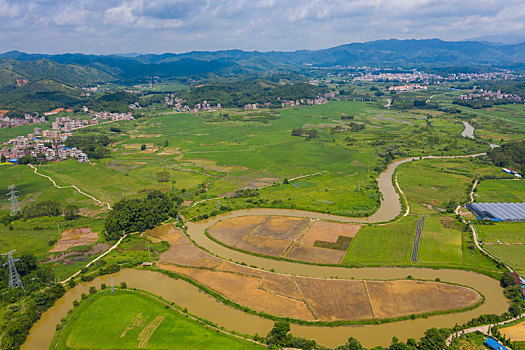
38 236
432 183
509 254
505 232
281 236
214 158
500 191
132 320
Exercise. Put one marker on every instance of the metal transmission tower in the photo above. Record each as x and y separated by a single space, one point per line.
13 198
14 277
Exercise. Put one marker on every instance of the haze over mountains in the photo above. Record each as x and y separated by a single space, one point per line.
85 69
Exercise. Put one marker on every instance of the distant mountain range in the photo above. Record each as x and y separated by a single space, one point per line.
80 69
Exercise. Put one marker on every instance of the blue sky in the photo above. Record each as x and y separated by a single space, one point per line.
157 26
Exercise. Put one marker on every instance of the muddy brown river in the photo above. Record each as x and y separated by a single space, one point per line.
205 306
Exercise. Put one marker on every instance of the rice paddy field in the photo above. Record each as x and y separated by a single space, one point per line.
133 320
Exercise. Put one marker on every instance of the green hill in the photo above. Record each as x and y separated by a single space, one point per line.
40 96
70 74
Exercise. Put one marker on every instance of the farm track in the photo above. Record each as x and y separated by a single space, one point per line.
96 200
69 186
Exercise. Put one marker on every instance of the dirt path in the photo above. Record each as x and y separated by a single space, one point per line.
483 329
96 259
96 200
70 186
469 130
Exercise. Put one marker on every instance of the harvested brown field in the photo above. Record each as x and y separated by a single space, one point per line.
244 291
335 299
231 231
280 227
75 237
404 297
263 245
280 284
515 332
328 232
169 234
316 255
274 236
188 255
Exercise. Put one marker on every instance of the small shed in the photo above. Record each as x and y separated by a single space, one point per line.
494 345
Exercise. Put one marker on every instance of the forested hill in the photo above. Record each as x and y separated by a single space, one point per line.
85 69
14 73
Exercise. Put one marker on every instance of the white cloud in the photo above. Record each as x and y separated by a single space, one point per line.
182 25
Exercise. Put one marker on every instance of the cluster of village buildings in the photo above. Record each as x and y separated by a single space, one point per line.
487 95
178 103
370 74
50 142
7 122
408 87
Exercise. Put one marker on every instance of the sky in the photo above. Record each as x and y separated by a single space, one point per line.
157 26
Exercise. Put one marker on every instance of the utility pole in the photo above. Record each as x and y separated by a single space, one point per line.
219 205
112 286
178 219
13 198
14 277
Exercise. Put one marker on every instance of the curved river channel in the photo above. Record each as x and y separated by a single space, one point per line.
205 306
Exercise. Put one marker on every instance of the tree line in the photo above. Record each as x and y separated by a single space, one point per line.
510 155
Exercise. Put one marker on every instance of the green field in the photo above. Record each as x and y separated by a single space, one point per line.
101 322
509 254
501 191
506 232
209 156
33 236
505 240
431 183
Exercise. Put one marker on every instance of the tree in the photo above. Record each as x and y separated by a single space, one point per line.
351 344
278 335
166 143
163 176
2 159
71 212
434 339
507 279
142 147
